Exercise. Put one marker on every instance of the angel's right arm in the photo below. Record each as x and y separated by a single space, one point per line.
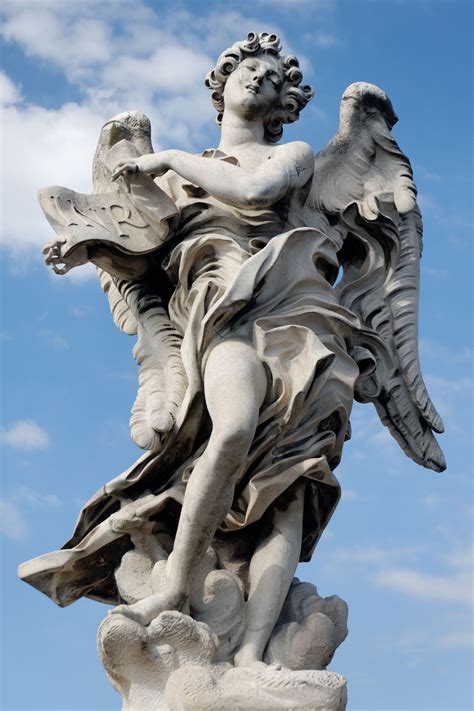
290 168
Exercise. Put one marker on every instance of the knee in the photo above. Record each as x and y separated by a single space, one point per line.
233 444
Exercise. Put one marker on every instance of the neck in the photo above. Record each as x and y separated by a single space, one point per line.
236 131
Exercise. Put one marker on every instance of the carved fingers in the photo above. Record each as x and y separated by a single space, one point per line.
124 167
54 257
153 164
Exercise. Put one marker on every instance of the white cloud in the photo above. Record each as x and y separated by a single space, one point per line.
25 434
426 202
425 173
416 641
85 272
119 57
457 385
27 495
12 523
81 311
456 585
323 5
461 557
455 588
71 42
372 555
434 272
458 638
453 398
432 502
59 146
9 93
350 495
54 339
384 569
443 354
325 40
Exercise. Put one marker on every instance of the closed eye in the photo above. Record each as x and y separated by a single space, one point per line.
274 78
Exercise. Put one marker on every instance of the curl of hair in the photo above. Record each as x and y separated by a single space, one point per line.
293 97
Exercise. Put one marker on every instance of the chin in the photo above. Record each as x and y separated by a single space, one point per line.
252 107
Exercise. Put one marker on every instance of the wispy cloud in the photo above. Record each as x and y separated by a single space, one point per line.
432 502
370 438
455 588
456 221
13 520
459 638
27 495
399 569
350 495
425 173
9 93
12 523
434 272
326 40
54 339
462 385
373 555
81 311
322 5
416 641
444 354
448 586
25 434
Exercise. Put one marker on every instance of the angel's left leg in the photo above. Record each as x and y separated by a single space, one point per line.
272 568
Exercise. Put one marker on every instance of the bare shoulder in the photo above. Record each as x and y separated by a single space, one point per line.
298 158
298 151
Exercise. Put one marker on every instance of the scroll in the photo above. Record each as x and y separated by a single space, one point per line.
134 217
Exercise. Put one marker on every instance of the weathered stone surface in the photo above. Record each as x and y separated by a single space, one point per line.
250 354
172 665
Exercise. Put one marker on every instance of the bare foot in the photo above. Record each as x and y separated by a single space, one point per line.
247 657
144 611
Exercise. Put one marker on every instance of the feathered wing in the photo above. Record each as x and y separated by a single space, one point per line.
363 183
139 310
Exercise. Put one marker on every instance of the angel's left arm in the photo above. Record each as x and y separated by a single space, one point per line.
290 168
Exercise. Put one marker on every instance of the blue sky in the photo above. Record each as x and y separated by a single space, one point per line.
398 549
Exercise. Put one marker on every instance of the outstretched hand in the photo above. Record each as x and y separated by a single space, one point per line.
152 164
54 257
125 166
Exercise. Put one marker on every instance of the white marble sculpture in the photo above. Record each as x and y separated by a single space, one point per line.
250 350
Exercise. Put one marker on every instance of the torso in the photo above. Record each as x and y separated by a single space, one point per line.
250 156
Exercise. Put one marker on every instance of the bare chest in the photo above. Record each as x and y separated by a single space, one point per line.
251 157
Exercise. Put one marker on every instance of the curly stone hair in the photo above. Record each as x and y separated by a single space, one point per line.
293 97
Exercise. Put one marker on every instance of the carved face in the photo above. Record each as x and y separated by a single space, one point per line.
253 88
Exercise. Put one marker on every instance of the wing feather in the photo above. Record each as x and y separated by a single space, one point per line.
364 179
121 313
138 310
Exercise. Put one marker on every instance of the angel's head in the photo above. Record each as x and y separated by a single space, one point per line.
264 83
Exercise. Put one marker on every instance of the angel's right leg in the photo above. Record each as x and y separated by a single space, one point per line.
235 385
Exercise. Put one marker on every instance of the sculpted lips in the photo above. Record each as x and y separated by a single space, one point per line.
253 88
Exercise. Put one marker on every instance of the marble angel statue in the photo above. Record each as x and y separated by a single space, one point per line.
268 287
